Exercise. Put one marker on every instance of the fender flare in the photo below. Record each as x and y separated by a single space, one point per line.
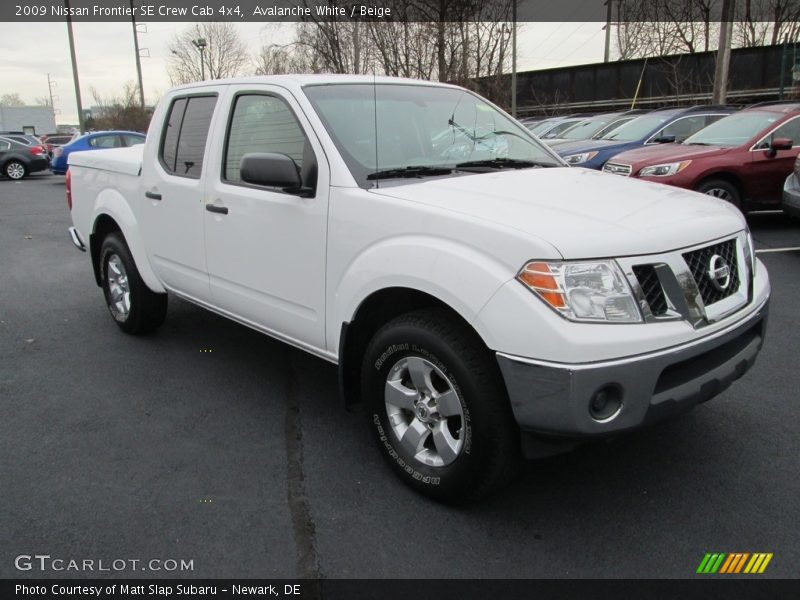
111 203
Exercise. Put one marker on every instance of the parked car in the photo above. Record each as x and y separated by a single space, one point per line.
93 141
791 192
552 128
592 127
743 158
21 155
657 127
477 307
50 142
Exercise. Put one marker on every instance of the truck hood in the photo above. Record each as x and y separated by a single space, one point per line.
581 212
579 146
666 153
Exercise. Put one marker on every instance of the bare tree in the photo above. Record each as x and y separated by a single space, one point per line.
119 112
762 22
11 100
225 54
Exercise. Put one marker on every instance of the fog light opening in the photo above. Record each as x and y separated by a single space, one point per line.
606 403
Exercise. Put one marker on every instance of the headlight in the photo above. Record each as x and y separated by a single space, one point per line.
750 252
583 291
576 159
664 170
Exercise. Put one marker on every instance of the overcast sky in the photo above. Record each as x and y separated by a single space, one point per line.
105 55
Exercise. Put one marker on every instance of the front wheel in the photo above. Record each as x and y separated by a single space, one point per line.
135 308
438 407
723 190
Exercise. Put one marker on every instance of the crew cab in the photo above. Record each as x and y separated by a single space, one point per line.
743 158
482 300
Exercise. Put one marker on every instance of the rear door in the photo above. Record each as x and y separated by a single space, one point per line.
4 148
266 252
171 205
769 170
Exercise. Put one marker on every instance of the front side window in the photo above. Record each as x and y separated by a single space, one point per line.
4 145
683 128
389 130
789 130
183 144
262 123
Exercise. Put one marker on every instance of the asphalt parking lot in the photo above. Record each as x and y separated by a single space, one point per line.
212 443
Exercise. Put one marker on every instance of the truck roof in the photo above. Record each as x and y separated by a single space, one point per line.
296 81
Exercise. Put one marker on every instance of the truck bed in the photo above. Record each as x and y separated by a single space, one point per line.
127 161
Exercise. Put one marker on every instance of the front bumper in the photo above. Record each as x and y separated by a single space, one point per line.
791 196
553 398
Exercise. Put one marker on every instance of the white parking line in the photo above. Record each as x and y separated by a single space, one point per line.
768 250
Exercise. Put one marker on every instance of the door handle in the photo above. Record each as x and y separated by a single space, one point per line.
216 208
152 195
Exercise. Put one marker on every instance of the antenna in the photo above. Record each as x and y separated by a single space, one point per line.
375 105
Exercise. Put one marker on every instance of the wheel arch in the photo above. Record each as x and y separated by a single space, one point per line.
113 213
374 311
726 176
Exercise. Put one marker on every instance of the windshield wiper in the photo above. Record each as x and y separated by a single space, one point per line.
410 171
504 163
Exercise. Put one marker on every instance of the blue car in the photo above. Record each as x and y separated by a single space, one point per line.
93 141
656 127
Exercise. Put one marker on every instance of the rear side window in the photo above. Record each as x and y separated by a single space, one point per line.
262 123
132 140
184 139
104 141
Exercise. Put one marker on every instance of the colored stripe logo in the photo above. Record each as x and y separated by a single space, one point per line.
737 562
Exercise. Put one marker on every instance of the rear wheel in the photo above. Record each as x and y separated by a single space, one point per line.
135 308
438 407
15 170
724 190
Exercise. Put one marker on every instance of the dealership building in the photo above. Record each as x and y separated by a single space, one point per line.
36 120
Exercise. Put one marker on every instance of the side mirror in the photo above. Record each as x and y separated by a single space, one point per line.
664 139
781 144
272 170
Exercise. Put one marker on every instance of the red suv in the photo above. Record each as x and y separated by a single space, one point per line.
743 158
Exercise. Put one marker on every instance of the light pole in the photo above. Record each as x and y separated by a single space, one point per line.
138 58
200 44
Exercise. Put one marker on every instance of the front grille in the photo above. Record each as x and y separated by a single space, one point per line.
651 288
699 263
617 169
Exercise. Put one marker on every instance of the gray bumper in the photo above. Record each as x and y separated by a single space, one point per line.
555 399
791 197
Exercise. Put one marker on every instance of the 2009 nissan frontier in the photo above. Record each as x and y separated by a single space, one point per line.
477 294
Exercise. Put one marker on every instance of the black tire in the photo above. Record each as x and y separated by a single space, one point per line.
15 170
724 190
146 310
490 454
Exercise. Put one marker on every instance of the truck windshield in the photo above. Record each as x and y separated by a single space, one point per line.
422 131
734 130
637 129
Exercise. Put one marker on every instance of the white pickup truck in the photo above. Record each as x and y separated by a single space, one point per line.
482 299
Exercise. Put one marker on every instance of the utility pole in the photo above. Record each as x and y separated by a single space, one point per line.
514 59
723 54
76 81
50 84
138 58
607 53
